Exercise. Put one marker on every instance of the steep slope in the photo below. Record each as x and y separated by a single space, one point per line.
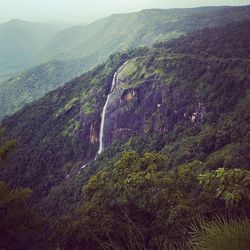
36 82
123 31
19 42
95 42
188 98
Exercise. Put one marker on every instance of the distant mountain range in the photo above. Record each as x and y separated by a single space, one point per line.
144 28
187 98
72 51
19 43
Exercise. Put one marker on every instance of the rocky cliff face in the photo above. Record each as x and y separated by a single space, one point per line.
148 107
189 101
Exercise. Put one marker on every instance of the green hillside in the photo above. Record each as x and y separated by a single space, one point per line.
202 92
36 82
144 28
175 171
86 47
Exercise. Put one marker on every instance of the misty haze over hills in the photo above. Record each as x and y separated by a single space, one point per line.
78 11
19 42
131 132
65 52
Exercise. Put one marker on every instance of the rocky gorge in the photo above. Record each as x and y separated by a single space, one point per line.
179 98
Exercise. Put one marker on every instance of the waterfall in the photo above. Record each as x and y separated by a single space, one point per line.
103 115
114 83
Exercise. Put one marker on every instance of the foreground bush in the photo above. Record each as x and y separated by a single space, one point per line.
221 234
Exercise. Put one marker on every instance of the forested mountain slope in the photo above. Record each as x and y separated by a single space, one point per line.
123 31
187 98
36 82
19 43
93 43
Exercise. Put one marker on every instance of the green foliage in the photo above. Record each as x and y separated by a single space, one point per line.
62 121
19 225
89 106
5 146
74 51
172 85
71 127
138 203
129 70
36 82
9 145
232 186
192 105
221 233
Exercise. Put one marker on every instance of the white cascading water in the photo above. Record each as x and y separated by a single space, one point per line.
101 134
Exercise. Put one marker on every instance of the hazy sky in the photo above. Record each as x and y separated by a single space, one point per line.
85 11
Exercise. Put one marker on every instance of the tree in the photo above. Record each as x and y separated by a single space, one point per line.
5 146
232 186
18 221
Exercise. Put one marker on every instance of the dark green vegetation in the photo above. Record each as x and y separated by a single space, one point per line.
230 233
86 47
20 226
5 146
36 82
187 101
138 204
58 117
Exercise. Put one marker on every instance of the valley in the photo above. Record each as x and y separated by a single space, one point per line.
64 53
132 132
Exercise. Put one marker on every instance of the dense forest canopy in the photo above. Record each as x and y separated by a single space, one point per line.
52 54
175 172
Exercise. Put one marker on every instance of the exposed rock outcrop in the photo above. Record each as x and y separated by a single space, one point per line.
93 135
128 95
130 111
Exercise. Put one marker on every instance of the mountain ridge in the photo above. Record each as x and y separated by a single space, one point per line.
189 105
92 41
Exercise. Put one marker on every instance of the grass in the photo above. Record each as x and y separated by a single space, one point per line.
221 234
129 70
